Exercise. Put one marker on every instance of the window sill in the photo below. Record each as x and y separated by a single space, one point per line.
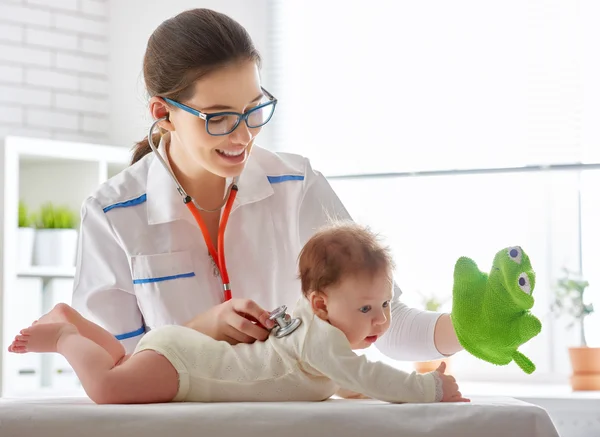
575 414
529 391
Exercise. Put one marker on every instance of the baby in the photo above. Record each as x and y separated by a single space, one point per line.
346 278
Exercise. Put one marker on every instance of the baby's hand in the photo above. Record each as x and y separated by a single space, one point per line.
449 386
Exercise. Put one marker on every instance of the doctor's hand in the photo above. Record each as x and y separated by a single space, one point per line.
234 321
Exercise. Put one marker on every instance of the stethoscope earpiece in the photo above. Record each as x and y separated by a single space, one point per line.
285 325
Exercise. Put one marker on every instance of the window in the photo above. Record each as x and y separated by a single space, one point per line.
403 86
429 222
590 247
374 93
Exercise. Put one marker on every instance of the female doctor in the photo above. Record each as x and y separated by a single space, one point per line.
143 260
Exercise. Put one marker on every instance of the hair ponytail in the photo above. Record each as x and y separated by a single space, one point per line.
143 148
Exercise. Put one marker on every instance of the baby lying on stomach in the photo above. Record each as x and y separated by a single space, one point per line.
346 278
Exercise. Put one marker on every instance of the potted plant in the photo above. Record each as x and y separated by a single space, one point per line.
569 302
55 236
25 237
431 303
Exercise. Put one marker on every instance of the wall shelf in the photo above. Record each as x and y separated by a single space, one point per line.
46 272
38 171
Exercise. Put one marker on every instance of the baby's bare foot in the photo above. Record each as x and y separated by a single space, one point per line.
58 314
41 337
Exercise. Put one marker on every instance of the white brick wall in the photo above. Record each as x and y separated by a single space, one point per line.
51 38
77 102
53 69
68 5
22 96
11 73
83 64
52 119
94 7
60 81
11 32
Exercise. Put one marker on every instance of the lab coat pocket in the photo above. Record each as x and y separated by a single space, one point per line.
164 284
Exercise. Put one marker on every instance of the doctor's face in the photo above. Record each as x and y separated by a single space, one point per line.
232 88
360 307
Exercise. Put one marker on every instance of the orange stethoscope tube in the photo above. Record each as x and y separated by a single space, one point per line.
217 255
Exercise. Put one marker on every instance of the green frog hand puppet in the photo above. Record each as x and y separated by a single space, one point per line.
490 312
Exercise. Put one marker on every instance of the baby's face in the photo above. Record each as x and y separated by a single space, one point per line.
360 308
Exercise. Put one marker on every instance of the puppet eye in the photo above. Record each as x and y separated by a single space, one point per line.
515 254
524 283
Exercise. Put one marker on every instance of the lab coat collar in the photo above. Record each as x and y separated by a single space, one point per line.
164 203
253 183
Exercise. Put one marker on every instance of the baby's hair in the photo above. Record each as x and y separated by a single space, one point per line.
341 250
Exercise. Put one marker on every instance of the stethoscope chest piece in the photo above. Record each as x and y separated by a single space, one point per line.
285 325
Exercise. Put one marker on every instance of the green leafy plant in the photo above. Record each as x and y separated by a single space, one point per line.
25 219
569 302
55 217
432 302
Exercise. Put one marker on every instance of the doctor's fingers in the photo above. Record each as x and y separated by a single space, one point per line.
234 336
251 308
246 327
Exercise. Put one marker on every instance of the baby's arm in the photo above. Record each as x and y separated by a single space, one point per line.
327 351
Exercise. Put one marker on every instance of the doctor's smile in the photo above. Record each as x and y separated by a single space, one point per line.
233 156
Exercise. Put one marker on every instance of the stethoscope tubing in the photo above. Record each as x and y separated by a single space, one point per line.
218 255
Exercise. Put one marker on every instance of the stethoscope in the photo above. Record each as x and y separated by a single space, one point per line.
284 324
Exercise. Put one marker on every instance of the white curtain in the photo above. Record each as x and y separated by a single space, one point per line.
392 86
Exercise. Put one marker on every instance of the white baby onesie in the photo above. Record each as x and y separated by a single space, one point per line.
311 364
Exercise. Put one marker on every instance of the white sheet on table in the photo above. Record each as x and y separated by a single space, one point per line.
78 417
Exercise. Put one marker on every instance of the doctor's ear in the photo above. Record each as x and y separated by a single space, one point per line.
159 109
318 302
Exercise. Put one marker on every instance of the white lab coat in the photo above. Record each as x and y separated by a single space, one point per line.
142 261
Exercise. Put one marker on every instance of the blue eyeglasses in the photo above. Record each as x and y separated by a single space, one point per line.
223 123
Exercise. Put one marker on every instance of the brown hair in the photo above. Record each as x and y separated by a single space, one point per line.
338 251
185 48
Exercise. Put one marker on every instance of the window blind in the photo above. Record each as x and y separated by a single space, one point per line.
394 86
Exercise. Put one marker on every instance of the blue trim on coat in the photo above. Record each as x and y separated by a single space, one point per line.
163 278
131 334
284 178
127 203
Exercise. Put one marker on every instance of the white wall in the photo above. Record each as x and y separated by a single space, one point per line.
72 69
54 69
130 24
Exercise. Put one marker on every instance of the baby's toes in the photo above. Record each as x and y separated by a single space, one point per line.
18 346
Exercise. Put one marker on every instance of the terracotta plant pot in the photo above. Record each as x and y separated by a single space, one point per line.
585 382
585 362
430 366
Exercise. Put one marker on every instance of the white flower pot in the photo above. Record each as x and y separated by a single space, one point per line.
55 247
25 240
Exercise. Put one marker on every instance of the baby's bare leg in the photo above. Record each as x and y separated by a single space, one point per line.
147 377
64 313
